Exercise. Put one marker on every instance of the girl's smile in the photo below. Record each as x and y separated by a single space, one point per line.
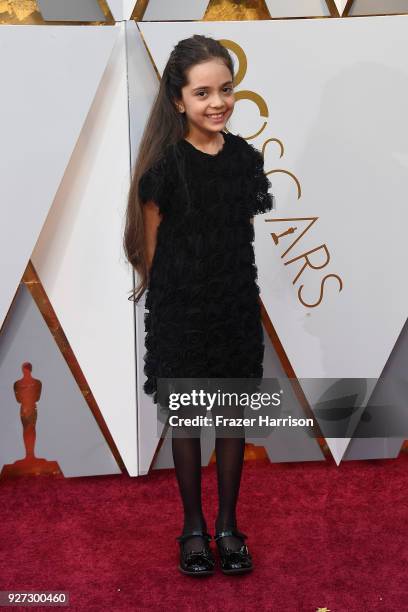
217 117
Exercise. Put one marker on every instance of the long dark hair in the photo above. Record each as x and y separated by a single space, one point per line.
165 126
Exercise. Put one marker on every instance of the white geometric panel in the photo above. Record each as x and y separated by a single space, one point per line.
49 78
331 282
66 430
142 89
285 444
75 10
340 5
392 386
163 10
378 7
297 8
79 257
121 9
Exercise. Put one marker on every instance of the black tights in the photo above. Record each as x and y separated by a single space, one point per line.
187 462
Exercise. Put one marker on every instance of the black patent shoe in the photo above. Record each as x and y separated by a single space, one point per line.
196 563
233 561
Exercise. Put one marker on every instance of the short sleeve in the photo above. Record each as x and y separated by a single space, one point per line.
155 184
262 199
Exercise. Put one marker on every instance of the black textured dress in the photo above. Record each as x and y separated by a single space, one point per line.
202 316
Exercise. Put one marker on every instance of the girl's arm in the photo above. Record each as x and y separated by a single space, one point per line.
151 220
252 220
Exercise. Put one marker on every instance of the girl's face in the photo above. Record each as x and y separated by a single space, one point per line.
208 97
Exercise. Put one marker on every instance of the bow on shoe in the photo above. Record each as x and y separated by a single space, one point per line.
196 562
234 561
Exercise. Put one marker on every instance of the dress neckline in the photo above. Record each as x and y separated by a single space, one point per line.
203 153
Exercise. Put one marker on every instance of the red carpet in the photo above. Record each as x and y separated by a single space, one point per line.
320 535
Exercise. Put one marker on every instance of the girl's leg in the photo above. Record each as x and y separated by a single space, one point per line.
230 456
187 462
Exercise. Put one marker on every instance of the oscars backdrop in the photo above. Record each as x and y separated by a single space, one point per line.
323 99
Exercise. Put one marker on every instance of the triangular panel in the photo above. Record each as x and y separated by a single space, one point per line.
80 261
338 316
51 75
66 431
121 9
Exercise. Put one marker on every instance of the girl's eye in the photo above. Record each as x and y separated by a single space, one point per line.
204 92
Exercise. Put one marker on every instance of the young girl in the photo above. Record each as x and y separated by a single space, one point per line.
189 233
